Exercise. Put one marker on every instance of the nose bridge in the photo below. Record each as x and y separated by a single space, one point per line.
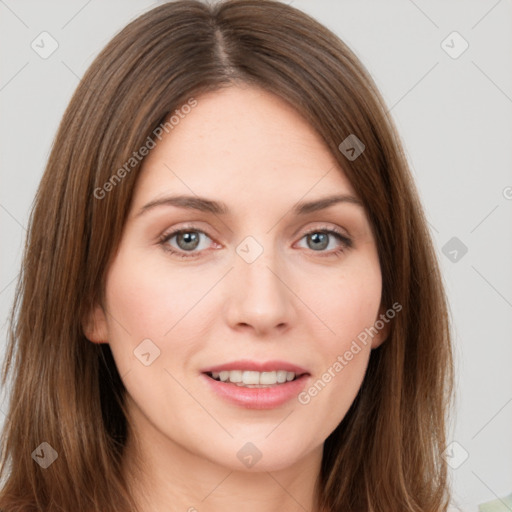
260 297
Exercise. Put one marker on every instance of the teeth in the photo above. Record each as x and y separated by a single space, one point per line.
281 376
235 376
252 378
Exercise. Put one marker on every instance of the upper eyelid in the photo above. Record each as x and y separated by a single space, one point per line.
190 227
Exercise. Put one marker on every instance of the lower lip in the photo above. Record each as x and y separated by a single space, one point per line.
258 398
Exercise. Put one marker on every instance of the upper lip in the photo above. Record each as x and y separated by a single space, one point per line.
258 366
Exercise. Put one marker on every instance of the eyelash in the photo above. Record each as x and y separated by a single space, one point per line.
346 243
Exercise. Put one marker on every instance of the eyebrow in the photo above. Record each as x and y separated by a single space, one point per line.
219 208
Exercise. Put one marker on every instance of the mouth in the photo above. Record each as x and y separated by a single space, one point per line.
255 379
256 385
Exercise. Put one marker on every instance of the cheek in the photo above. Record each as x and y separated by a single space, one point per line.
155 302
347 302
348 305
151 294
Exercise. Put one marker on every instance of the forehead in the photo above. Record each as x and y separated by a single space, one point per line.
242 141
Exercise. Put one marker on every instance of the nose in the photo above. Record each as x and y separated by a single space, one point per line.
259 297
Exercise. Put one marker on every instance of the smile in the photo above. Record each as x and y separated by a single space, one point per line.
249 378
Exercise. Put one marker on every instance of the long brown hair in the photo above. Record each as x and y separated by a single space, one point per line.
386 454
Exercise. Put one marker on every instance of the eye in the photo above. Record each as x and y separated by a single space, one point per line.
320 239
186 239
186 242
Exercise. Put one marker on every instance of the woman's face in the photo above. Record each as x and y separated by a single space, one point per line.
253 283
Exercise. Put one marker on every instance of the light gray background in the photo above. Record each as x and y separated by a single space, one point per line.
453 114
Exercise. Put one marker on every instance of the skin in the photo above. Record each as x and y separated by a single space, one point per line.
295 302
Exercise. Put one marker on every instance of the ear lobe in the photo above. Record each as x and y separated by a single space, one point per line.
95 326
383 327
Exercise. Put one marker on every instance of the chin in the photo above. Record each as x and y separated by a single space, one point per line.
259 455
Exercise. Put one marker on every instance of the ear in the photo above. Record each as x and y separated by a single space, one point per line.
382 324
95 326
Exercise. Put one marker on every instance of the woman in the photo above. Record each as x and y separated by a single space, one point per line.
229 294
